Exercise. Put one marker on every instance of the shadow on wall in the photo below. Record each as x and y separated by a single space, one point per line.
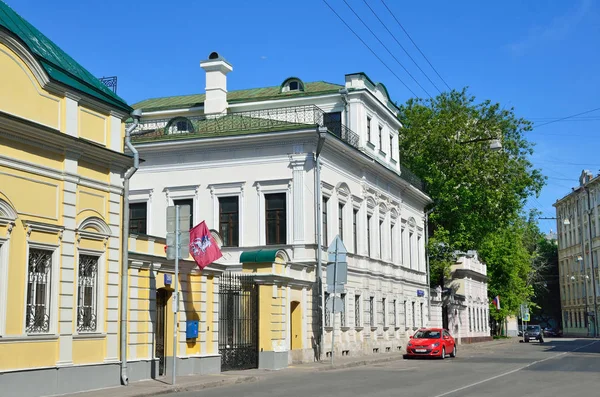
191 314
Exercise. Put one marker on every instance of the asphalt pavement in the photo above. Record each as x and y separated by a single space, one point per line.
559 367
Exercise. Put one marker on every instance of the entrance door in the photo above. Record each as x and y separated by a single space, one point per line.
295 326
238 322
162 297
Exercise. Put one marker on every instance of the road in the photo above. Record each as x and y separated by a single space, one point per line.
560 367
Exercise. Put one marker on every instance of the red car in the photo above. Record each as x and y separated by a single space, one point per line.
431 342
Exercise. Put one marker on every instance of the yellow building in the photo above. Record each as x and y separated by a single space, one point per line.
61 193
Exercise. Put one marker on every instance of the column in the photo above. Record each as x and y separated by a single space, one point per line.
297 163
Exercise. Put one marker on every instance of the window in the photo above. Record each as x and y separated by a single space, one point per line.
372 311
391 145
182 126
405 314
392 242
138 218
341 221
354 229
414 316
419 264
368 310
368 129
327 312
410 249
343 313
333 122
229 221
190 203
357 310
276 218
394 313
37 318
470 326
324 212
422 316
369 235
383 317
87 293
381 138
381 233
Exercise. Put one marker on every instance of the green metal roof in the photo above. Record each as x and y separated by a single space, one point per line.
260 256
58 64
253 94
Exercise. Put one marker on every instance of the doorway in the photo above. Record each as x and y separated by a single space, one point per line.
295 326
162 297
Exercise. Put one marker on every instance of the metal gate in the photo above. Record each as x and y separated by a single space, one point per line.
238 322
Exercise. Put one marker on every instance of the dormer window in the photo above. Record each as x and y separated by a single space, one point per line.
292 84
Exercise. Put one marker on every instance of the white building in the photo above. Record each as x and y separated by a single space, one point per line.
579 284
468 309
245 162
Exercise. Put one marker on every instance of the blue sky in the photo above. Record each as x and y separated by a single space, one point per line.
539 57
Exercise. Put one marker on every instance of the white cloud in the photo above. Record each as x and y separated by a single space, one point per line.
556 30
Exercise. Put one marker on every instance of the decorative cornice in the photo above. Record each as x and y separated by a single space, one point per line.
31 226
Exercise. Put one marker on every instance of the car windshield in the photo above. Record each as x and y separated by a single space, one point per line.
427 334
533 328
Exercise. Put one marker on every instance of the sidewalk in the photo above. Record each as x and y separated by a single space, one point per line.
196 382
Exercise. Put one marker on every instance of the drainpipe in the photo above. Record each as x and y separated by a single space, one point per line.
321 135
125 240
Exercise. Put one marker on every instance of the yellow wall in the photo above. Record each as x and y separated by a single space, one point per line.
40 199
93 126
89 351
27 99
28 354
210 280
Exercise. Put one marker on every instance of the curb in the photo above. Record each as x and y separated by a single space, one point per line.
198 387
360 363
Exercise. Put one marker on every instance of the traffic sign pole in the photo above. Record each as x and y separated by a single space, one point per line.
176 295
333 312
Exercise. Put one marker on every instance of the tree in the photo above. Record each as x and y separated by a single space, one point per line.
508 262
444 141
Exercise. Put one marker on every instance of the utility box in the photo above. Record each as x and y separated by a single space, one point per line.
191 329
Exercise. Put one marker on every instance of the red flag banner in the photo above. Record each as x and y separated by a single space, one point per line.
203 247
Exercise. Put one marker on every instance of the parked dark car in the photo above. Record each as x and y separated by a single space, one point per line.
550 332
534 332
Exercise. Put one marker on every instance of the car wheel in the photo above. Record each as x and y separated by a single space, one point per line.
453 354
443 356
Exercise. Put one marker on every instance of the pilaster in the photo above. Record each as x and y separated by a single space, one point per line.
297 163
66 301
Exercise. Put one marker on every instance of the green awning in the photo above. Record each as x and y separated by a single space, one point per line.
260 256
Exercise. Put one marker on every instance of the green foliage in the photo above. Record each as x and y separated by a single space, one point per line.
508 265
440 256
476 191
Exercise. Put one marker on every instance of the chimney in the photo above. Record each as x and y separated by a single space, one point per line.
216 68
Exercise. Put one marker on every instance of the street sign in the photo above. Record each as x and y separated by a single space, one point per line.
526 317
334 304
182 231
337 267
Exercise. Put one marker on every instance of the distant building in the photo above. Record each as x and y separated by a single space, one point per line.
467 303
577 218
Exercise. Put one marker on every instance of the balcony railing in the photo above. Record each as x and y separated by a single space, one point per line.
263 120
248 122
